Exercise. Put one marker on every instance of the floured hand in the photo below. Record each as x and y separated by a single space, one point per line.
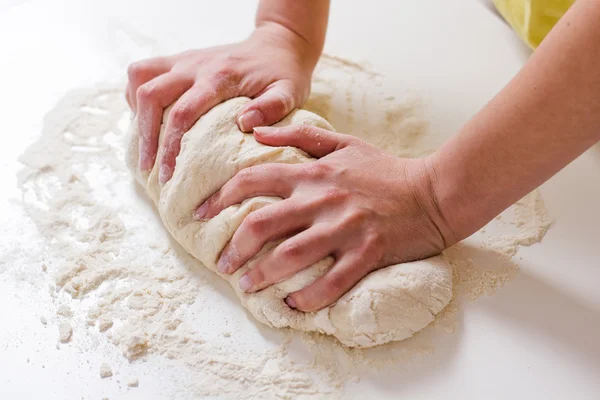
366 208
272 67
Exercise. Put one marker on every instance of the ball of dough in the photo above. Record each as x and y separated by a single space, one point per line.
387 305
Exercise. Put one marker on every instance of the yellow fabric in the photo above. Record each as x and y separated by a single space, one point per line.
533 19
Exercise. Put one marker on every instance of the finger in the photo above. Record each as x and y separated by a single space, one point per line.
152 98
259 227
269 107
290 257
143 71
315 141
187 110
259 180
326 290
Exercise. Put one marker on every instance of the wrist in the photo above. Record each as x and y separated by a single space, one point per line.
460 211
424 182
306 53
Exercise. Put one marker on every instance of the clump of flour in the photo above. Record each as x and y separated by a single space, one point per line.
111 267
105 370
64 332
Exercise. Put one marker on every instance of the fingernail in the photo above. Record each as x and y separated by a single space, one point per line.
250 119
265 130
245 283
164 174
201 211
290 302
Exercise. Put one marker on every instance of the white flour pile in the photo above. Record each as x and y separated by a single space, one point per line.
111 267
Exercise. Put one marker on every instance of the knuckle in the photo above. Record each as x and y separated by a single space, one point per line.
336 195
180 114
319 170
245 177
330 197
234 256
334 283
256 222
134 70
290 250
302 300
227 76
147 92
284 101
357 217
257 275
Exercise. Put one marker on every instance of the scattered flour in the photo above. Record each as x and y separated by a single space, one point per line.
104 323
65 331
105 371
64 311
133 382
531 219
110 260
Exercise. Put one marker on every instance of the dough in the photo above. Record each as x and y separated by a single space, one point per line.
387 305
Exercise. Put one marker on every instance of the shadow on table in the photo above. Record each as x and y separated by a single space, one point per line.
532 304
428 354
528 302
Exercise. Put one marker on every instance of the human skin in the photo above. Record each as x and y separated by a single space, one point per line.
368 208
273 66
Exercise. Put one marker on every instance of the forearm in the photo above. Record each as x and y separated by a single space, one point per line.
307 19
546 116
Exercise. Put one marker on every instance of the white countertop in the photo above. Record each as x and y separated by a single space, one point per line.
537 337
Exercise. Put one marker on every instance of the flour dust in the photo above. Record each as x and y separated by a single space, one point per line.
112 270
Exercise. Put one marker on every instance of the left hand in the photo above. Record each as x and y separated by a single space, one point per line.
365 207
197 80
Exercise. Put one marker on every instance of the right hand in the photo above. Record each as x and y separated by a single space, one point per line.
273 67
365 207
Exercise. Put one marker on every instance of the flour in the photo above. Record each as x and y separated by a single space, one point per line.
64 311
133 382
389 304
104 323
112 263
64 332
533 222
105 371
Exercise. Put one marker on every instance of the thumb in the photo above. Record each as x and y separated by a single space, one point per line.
270 107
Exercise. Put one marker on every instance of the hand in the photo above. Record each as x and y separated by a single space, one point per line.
366 208
273 67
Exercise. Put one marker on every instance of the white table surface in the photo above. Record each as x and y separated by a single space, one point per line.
538 337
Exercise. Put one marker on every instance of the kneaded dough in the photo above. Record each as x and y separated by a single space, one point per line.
387 305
